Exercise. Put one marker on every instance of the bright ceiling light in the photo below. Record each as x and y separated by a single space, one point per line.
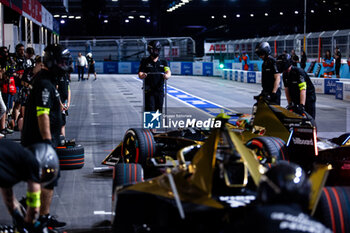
71 17
142 17
64 16
281 13
114 0
329 11
213 17
224 16
238 15
148 20
127 21
296 12
77 17
130 17
56 16
251 15
266 14
105 21
63 22
339 8
312 11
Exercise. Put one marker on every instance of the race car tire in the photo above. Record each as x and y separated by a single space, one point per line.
126 174
333 209
268 148
71 157
138 146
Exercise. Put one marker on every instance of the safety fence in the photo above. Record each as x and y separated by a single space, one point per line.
340 88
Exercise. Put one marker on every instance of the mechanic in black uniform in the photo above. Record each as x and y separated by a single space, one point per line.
65 96
270 77
283 199
43 116
337 57
154 83
36 165
299 89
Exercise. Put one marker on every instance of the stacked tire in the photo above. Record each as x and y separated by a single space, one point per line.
71 157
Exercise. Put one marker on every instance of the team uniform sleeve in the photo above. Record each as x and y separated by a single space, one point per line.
142 67
301 81
273 65
166 66
44 99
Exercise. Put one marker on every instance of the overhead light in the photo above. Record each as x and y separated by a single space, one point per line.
127 21
145 0
64 16
251 15
105 21
114 0
224 16
213 17
281 13
238 15
77 17
71 17
130 17
56 16
62 21
312 11
339 8
324 1
266 14
296 12
148 20
329 11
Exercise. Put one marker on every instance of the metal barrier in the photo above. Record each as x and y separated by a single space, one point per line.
315 44
133 49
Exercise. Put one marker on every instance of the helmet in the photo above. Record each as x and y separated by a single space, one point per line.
154 48
263 48
283 62
57 59
89 55
285 183
48 162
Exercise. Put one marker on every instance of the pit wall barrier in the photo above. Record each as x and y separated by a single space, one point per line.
340 88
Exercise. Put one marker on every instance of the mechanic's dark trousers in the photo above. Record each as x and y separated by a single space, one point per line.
310 107
337 69
154 101
81 72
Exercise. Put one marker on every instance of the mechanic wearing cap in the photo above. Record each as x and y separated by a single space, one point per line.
154 83
37 166
270 78
282 202
43 116
299 89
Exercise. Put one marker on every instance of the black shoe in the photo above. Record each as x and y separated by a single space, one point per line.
51 221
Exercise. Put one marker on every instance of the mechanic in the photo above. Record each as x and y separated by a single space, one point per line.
91 63
270 79
154 83
328 65
295 58
337 57
43 116
299 89
283 199
36 165
303 60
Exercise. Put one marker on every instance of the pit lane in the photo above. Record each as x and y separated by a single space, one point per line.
103 110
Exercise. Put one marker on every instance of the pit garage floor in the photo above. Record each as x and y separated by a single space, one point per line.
102 110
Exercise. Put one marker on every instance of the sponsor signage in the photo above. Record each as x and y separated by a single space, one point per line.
237 66
208 69
15 5
318 84
197 68
99 67
251 77
124 67
175 67
339 91
330 86
32 10
258 77
186 68
135 67
217 70
46 18
110 67
346 91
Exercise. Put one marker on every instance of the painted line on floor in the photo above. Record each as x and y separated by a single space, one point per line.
102 212
201 104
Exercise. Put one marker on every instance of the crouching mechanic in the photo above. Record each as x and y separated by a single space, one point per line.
283 199
43 116
37 165
154 83
300 91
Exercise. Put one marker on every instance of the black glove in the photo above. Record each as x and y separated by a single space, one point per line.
273 97
300 109
290 106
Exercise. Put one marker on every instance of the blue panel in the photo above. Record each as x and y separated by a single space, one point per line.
241 74
135 67
186 68
228 65
236 75
208 69
110 67
339 91
330 86
251 77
